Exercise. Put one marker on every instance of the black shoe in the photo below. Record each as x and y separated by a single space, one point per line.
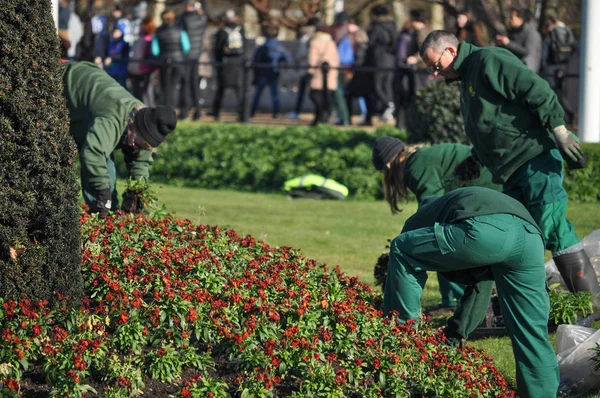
196 115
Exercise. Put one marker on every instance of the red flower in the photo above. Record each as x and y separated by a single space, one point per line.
161 352
185 392
376 363
11 384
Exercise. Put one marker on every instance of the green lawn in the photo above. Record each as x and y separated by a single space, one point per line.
351 234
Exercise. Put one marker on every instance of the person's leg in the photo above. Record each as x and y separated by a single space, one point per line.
274 86
301 90
136 86
473 243
451 292
470 311
164 85
261 82
538 184
194 84
180 83
316 97
218 96
185 94
525 307
339 102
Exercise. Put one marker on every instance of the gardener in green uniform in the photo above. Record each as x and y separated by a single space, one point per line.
515 123
427 171
481 233
104 116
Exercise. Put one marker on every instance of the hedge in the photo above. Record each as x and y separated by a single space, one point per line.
434 115
255 158
40 243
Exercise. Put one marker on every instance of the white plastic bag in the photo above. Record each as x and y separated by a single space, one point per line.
574 356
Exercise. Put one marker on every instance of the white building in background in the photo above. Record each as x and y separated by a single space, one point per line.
589 73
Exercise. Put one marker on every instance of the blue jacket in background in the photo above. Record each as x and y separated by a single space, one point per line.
273 53
118 50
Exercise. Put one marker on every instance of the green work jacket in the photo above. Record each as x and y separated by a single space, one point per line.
463 203
99 109
508 110
430 171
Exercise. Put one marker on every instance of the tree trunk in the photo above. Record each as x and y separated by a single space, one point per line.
39 217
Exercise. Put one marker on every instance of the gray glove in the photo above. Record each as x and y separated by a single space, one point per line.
568 143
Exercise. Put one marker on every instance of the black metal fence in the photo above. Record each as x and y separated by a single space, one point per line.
247 66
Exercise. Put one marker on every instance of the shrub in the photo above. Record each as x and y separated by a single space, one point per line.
39 218
253 158
434 115
195 310
260 158
584 185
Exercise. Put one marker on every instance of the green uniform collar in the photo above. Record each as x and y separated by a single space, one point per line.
463 51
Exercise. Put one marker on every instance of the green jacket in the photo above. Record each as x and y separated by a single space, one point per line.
464 203
99 110
430 171
507 109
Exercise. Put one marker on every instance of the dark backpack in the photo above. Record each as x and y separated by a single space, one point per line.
561 47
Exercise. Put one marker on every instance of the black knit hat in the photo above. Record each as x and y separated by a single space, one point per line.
384 150
154 124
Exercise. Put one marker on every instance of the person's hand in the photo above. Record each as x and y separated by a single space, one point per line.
132 203
502 40
97 60
568 143
103 203
468 170
107 61
412 60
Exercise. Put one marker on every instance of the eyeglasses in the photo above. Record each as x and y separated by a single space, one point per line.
436 68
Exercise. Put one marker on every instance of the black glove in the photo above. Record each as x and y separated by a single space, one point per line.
468 170
132 203
103 203
575 164
470 276
453 339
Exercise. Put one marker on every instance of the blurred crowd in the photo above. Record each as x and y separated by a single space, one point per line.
373 71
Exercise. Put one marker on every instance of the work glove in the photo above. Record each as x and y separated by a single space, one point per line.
570 147
103 203
468 170
453 339
132 203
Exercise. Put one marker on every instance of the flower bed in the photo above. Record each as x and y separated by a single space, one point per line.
194 311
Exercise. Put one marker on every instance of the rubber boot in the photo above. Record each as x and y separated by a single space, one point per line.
577 272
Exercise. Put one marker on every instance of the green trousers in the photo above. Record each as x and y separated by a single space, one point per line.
451 292
514 251
89 192
339 100
538 184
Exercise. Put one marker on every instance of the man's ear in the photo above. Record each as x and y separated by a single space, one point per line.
452 51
